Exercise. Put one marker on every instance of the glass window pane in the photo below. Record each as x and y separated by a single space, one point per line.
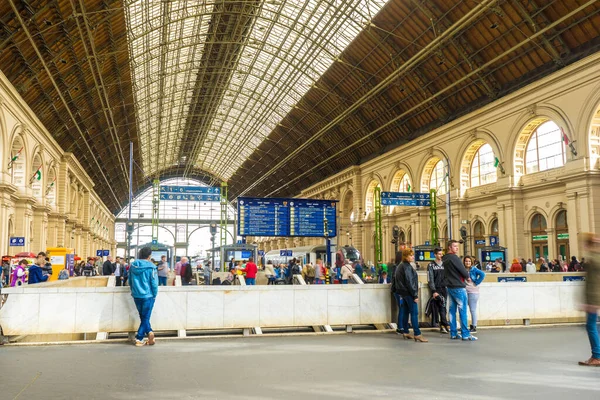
546 148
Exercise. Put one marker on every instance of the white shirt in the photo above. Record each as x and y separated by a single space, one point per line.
530 267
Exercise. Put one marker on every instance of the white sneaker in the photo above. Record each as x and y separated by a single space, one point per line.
471 338
140 343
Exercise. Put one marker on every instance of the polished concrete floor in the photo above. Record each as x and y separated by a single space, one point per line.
533 363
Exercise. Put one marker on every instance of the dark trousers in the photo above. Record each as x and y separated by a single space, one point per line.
441 318
412 308
118 280
162 281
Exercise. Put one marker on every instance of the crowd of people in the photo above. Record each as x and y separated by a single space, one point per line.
542 265
31 273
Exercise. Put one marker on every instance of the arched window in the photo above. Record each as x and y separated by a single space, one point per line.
438 179
51 188
17 162
483 170
400 183
478 236
370 197
494 227
539 236
562 235
545 149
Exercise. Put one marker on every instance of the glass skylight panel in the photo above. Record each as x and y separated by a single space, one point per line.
166 42
290 46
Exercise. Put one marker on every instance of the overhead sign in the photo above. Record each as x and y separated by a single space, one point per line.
98 253
190 189
286 217
512 279
105 253
261 253
17 241
405 199
190 193
285 253
480 242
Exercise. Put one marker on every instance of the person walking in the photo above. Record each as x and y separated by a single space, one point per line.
270 273
346 273
476 276
406 284
18 275
163 271
107 267
207 270
456 274
250 269
186 272
143 281
436 280
35 271
591 245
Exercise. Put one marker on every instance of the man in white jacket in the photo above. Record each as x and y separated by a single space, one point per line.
530 267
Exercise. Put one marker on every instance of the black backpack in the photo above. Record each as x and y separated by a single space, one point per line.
216 281
296 270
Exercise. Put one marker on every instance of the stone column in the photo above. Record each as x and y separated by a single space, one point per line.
358 207
40 228
6 207
23 222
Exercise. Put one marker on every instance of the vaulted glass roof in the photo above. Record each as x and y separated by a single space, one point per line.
208 92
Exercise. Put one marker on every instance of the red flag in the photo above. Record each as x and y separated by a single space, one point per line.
565 137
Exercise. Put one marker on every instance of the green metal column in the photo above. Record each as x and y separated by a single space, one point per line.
378 233
433 217
155 208
223 226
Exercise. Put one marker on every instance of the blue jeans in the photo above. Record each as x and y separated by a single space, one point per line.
251 281
457 297
162 281
412 308
344 281
473 299
144 307
400 312
592 329
207 279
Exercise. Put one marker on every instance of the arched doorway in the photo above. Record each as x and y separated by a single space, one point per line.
562 235
478 238
539 236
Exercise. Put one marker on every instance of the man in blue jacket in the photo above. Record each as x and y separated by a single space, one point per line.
143 281
35 271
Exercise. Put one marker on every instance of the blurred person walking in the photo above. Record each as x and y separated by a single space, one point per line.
591 245
143 281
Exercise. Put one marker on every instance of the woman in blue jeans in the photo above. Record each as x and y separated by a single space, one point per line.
476 276
406 285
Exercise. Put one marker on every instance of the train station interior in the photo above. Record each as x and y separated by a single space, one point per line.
341 135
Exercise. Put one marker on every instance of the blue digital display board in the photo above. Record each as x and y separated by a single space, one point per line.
307 218
286 217
263 217
405 199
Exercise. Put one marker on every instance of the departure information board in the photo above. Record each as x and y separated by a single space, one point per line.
309 217
286 217
263 217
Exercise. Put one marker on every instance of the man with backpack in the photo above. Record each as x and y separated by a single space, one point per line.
308 273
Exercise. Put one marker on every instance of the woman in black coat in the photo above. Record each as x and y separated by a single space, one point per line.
406 283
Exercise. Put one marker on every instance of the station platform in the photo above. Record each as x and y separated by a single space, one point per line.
509 363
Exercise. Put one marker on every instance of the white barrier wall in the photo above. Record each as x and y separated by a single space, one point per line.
32 311
542 301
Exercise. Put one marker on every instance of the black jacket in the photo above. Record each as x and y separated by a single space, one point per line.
406 280
456 273
107 268
436 277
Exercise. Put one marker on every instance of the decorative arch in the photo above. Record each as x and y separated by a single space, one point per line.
401 182
526 125
531 214
593 137
479 154
553 214
433 175
370 197
18 158
50 191
36 180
